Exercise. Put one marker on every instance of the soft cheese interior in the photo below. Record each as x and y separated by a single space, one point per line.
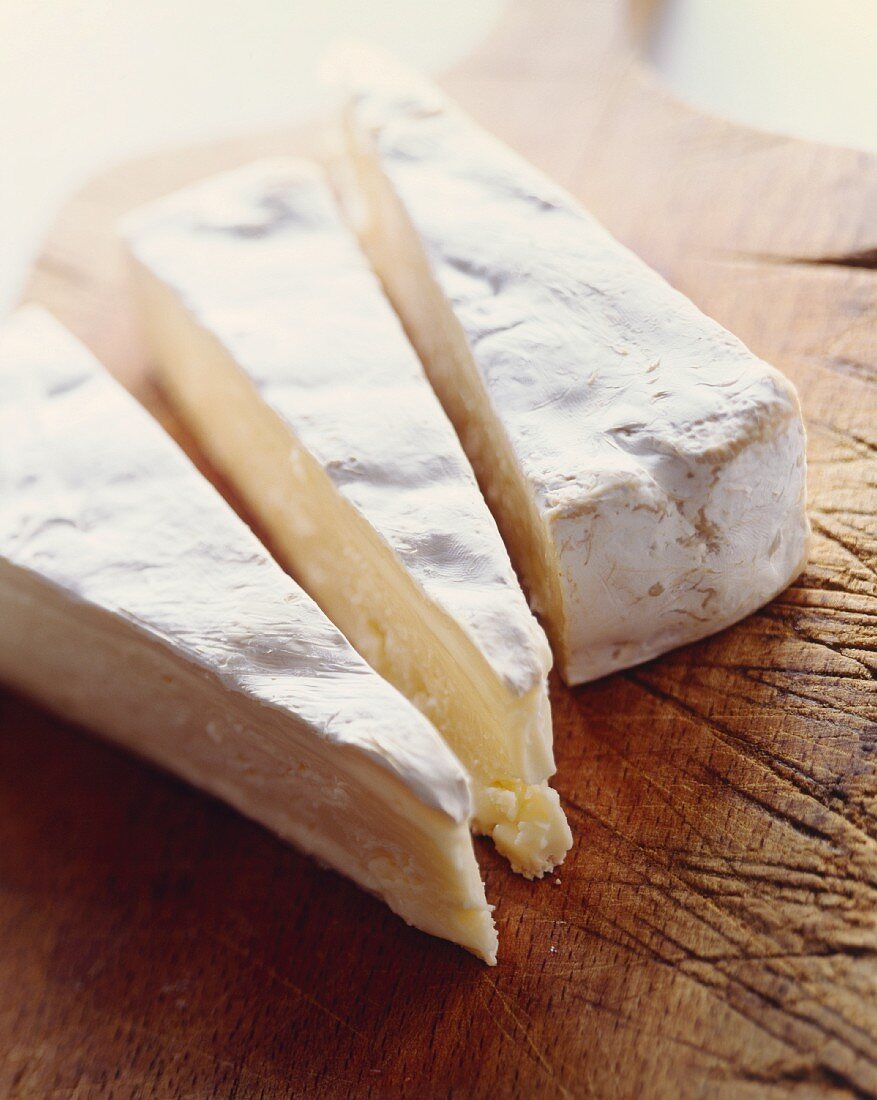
275 340
646 470
134 601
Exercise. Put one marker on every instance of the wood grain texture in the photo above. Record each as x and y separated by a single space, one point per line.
714 932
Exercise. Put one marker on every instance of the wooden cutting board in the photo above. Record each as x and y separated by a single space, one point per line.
714 932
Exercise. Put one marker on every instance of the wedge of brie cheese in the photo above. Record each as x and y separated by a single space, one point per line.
134 601
646 470
274 339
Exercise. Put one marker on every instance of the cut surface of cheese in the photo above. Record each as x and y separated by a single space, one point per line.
274 339
134 601
646 470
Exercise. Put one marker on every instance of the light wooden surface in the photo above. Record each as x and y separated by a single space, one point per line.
714 932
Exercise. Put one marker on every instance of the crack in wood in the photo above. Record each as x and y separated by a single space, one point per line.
863 259
785 770
850 547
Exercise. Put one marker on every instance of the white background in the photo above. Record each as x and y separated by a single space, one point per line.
803 67
85 83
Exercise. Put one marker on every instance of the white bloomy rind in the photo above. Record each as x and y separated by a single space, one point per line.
646 470
275 341
134 601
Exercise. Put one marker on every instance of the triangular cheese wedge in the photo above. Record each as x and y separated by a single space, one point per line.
134 601
274 339
646 470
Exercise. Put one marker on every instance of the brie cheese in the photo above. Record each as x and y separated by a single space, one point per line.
274 339
646 470
134 601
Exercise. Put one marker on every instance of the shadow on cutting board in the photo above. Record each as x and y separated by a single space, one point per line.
142 922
